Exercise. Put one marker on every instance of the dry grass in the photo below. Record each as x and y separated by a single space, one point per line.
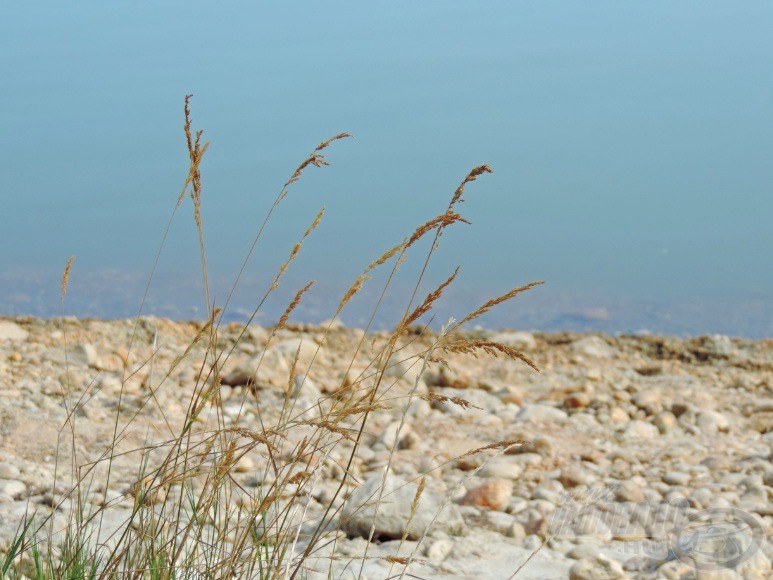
191 518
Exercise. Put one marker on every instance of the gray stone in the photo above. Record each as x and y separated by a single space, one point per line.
531 452
591 523
594 346
629 491
665 422
677 478
516 531
519 340
502 523
303 346
8 470
502 467
532 542
439 550
712 422
270 368
719 345
596 568
574 475
406 439
538 413
767 478
485 402
701 497
12 332
650 401
13 488
392 517
583 550
83 354
640 430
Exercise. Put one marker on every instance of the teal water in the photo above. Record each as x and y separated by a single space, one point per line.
630 144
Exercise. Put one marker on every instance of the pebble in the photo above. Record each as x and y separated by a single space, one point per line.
482 401
767 478
399 435
392 519
640 430
712 422
629 491
532 542
502 468
544 493
598 567
12 332
593 346
577 400
591 523
519 340
517 505
719 345
665 422
618 415
494 494
539 446
304 347
8 470
12 488
245 465
650 401
583 550
701 497
438 550
446 377
269 368
677 478
83 354
573 476
718 462
539 413
505 524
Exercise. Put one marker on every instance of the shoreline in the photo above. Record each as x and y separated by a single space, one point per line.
478 329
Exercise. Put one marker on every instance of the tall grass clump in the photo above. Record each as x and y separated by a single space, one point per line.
188 516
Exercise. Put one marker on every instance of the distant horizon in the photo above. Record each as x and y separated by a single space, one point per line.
542 309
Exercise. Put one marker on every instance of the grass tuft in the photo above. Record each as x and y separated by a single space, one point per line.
189 514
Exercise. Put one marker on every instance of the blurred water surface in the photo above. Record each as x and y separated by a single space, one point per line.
631 146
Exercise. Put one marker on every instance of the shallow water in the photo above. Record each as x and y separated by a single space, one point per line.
119 295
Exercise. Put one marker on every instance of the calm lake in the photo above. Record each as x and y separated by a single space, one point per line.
631 145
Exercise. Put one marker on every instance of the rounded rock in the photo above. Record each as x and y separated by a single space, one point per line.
502 468
494 494
649 401
677 478
640 430
8 470
597 568
539 413
629 491
12 488
577 400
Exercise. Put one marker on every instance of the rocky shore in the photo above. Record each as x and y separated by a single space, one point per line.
633 450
